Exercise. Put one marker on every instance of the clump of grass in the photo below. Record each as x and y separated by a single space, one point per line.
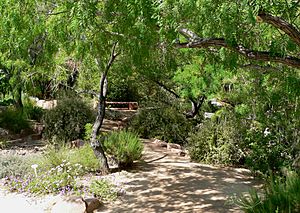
125 147
280 195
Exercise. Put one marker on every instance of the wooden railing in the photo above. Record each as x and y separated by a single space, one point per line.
123 105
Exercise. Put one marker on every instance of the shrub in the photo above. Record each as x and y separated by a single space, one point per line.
104 189
217 141
162 123
66 121
124 146
14 165
13 120
83 156
280 195
33 112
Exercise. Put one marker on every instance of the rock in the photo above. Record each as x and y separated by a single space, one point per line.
77 143
3 132
92 204
160 143
67 205
173 146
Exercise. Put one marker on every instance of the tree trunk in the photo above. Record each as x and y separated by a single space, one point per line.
97 144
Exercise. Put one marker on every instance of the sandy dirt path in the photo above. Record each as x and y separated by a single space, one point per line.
164 182
174 184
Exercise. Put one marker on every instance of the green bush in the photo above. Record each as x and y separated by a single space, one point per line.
280 195
13 120
103 189
124 146
217 141
83 156
33 112
66 121
15 165
162 123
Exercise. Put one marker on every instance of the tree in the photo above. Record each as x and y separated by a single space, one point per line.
102 34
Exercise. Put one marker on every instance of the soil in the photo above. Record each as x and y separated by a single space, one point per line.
162 182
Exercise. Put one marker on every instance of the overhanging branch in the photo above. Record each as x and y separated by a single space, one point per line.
283 25
247 53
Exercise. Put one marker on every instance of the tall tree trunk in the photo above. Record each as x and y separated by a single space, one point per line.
97 145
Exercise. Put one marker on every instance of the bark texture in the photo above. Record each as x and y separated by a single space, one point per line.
97 145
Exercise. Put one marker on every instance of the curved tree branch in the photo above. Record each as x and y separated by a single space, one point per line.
280 23
248 53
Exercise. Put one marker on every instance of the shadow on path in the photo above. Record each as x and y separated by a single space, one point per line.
173 184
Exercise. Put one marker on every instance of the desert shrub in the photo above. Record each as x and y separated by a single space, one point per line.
83 156
15 165
217 141
104 189
66 121
162 123
13 120
124 146
280 195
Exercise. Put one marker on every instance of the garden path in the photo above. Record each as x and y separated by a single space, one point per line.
174 184
163 182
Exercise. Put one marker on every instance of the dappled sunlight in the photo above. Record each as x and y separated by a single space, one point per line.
173 184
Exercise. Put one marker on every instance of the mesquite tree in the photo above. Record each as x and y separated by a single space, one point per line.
99 34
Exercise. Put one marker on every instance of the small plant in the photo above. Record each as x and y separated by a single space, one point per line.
15 165
104 189
13 120
280 195
66 121
3 144
124 146
59 179
83 156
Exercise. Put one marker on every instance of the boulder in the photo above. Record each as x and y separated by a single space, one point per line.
92 204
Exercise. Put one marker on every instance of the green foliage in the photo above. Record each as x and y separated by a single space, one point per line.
124 146
163 123
103 189
58 179
88 131
66 121
217 141
280 195
83 156
13 120
14 165
33 112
